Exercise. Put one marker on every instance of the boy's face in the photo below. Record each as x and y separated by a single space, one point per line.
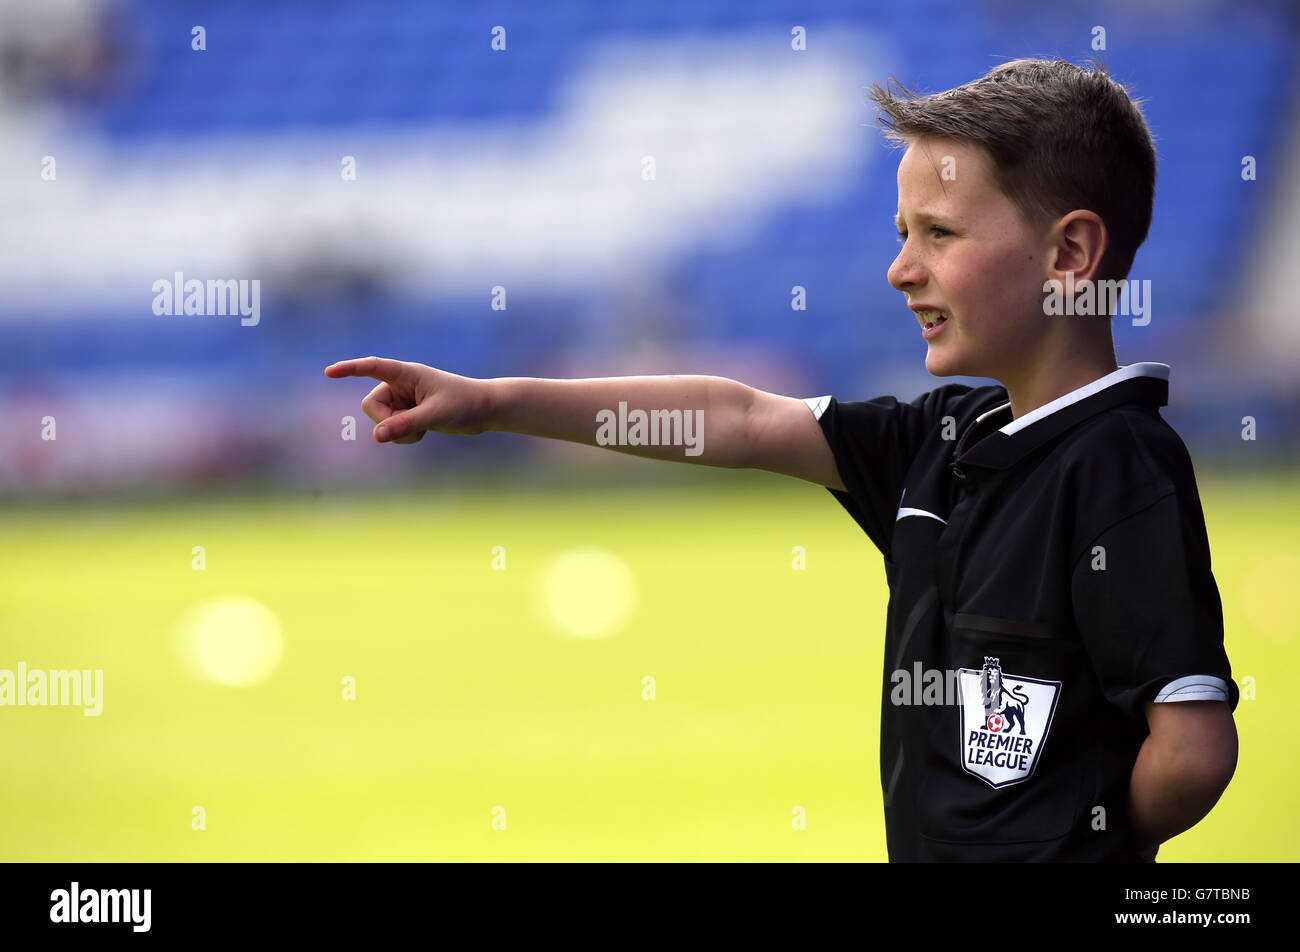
970 254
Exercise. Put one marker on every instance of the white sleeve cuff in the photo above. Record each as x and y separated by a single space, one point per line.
1194 687
818 405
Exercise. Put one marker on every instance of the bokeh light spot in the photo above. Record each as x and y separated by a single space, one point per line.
236 641
589 593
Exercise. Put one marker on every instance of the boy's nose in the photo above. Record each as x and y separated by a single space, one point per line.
905 274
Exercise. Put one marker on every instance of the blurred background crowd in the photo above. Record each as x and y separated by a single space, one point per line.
563 189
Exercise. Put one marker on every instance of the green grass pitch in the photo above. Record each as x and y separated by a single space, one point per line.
470 697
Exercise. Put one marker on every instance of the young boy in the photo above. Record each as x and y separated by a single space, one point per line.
1056 686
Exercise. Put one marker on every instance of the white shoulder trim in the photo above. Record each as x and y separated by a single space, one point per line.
1145 369
904 513
818 405
1194 687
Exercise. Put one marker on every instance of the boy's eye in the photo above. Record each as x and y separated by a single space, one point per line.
934 230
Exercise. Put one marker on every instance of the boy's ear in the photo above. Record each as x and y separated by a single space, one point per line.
1078 242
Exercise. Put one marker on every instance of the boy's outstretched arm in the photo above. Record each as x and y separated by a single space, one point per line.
1182 769
740 427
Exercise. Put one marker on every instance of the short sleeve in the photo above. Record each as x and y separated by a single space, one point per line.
874 443
1148 610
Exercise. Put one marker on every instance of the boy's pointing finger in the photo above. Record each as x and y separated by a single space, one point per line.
380 368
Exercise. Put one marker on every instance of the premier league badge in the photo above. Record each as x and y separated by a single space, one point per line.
1004 722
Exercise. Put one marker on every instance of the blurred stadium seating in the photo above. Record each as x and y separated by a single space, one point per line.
521 168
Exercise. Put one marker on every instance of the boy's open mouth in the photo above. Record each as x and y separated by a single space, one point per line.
931 318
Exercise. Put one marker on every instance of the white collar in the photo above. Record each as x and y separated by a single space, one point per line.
1143 369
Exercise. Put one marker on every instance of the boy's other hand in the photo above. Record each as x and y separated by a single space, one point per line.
412 398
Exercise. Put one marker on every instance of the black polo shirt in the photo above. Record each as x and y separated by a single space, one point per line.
1047 576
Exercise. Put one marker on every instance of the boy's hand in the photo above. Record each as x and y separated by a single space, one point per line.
412 398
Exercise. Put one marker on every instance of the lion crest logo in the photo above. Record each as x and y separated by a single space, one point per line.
1005 720
1002 708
